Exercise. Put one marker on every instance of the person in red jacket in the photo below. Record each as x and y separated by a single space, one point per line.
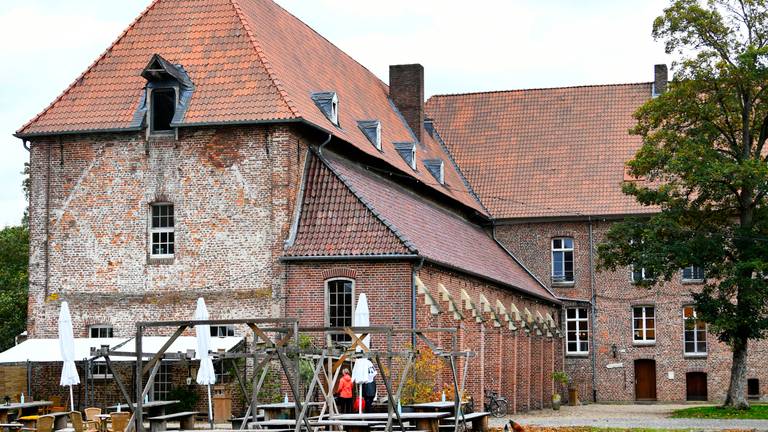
344 392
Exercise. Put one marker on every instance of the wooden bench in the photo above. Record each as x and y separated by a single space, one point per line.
10 426
160 423
479 421
236 422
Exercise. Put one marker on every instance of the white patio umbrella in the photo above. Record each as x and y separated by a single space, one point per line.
363 371
69 376
205 374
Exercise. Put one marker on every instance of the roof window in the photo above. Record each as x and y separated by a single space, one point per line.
166 97
372 131
436 168
328 102
408 152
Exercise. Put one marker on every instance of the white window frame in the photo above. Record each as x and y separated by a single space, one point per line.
163 382
413 157
335 109
645 340
99 328
159 230
692 268
100 371
228 330
642 272
578 320
562 250
327 295
694 318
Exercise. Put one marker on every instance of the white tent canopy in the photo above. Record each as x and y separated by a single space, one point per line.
47 350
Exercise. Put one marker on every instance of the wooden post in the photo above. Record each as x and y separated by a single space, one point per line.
137 410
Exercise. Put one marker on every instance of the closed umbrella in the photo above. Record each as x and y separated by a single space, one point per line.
205 374
361 370
69 376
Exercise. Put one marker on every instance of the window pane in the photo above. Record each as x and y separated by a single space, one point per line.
557 243
690 347
649 311
584 346
568 243
572 346
570 313
638 312
650 334
702 346
571 326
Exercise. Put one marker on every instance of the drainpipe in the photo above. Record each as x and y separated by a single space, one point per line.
416 269
327 140
593 304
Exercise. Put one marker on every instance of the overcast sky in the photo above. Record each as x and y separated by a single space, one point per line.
464 47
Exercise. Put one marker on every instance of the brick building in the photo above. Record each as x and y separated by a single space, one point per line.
548 164
223 149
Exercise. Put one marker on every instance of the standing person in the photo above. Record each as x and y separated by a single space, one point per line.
344 390
369 394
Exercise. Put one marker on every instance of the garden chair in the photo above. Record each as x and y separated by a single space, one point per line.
42 424
91 421
119 421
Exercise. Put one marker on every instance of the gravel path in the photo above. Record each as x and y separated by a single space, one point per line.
626 416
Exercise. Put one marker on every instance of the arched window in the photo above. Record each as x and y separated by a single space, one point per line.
339 306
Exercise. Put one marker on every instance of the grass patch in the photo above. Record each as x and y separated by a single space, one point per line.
597 429
756 412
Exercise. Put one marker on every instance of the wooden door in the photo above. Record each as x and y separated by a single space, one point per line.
645 380
696 386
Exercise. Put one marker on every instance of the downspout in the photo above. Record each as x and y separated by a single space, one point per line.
416 269
327 140
593 314
48 221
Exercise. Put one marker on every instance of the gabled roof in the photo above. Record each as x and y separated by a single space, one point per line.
435 233
334 221
544 152
250 61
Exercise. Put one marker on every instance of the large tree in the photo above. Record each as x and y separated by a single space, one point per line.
14 257
703 166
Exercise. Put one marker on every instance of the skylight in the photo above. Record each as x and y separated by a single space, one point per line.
436 168
408 152
372 131
328 102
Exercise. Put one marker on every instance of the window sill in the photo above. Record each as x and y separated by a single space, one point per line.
693 281
695 355
563 284
577 355
163 260
643 343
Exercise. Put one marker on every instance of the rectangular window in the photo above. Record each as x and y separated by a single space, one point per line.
562 260
693 273
163 109
162 386
576 331
640 274
222 331
695 333
644 324
99 370
340 298
100 331
162 234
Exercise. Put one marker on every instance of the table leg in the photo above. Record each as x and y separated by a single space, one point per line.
3 416
428 424
60 422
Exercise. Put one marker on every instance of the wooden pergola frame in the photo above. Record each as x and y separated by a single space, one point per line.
284 347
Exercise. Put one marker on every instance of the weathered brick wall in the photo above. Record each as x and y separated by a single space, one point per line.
517 365
616 296
233 189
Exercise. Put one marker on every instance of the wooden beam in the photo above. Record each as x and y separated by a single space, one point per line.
159 354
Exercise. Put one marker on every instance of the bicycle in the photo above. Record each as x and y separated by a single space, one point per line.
495 404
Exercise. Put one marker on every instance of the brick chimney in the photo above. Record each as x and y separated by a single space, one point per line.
660 78
406 88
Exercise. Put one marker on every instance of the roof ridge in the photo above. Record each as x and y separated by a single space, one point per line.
263 59
91 66
400 236
444 95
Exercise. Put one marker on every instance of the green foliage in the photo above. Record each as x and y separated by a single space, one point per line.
703 165
14 282
560 377
711 412
186 396
422 383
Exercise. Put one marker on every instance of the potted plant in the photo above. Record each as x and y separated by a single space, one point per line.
561 378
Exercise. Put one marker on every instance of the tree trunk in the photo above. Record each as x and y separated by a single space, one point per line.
737 390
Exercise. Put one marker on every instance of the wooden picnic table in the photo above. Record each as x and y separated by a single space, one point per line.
23 409
347 425
11 426
280 410
427 421
153 408
59 419
434 406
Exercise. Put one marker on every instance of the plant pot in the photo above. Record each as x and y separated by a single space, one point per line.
556 402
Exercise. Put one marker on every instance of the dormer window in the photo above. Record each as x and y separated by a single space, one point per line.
166 96
328 102
436 168
162 109
372 130
408 152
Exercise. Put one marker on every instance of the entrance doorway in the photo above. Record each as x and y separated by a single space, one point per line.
645 380
696 386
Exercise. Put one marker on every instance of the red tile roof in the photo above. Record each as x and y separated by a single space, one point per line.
250 61
544 152
335 222
438 234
